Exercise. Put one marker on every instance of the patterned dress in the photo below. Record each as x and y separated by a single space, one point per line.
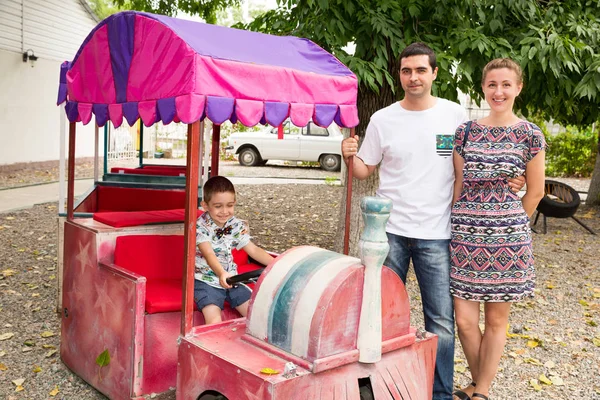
490 251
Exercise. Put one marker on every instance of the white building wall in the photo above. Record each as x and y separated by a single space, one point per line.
29 117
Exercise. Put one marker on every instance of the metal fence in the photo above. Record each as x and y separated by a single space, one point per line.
121 143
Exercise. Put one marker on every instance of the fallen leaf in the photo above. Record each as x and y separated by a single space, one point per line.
19 388
50 353
103 359
460 368
533 361
535 385
549 364
36 369
545 380
596 342
269 371
8 272
18 382
6 336
3 367
557 381
54 391
47 334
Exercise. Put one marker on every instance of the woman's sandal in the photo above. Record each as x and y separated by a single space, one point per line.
462 395
479 396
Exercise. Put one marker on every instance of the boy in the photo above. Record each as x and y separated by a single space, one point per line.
218 232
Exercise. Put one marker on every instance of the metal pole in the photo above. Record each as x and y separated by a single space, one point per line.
189 233
348 200
71 172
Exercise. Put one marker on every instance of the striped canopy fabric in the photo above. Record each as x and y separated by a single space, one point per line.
139 65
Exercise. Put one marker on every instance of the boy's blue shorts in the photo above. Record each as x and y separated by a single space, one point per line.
205 295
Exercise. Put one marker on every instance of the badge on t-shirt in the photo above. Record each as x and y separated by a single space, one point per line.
444 145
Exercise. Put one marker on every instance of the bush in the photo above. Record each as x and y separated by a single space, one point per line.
571 153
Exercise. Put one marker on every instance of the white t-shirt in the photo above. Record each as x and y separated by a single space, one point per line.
416 173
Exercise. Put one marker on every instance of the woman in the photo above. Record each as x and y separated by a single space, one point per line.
491 253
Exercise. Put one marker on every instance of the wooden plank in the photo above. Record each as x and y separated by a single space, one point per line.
71 11
387 378
189 231
340 392
398 381
10 10
380 389
334 361
74 33
352 392
398 342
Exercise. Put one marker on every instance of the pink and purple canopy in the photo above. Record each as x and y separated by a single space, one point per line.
165 69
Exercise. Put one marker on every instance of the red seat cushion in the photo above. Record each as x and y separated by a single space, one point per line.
159 258
163 295
156 170
113 198
121 219
152 256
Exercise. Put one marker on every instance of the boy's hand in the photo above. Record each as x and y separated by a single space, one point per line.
223 280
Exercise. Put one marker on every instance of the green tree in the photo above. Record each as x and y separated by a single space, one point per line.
556 42
105 8
206 9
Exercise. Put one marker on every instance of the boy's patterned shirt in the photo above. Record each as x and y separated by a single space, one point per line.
233 235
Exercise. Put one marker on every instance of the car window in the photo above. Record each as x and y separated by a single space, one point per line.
289 129
314 130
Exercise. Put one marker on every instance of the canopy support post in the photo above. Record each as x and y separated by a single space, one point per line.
105 149
189 232
61 165
205 138
96 151
141 142
216 144
71 173
348 200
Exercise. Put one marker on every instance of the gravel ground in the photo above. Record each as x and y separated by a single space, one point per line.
553 347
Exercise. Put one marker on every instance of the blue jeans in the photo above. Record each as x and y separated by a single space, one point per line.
431 261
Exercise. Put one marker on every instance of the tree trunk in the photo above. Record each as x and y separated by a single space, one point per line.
593 197
368 102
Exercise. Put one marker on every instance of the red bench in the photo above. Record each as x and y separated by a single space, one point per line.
159 259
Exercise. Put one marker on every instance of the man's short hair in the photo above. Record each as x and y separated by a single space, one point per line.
419 49
217 184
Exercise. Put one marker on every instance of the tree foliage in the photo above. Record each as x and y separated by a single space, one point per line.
206 9
556 42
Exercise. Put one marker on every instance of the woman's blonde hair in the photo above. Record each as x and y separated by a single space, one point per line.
503 63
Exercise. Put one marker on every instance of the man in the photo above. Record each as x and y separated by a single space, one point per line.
412 139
